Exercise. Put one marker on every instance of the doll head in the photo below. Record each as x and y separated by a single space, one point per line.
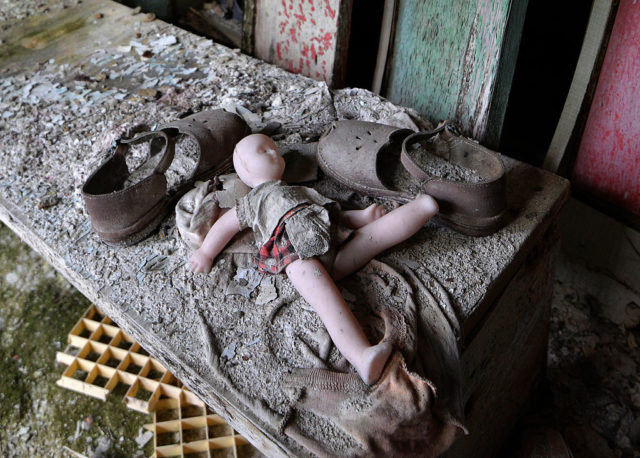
256 159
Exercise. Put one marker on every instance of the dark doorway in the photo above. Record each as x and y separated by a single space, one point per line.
366 21
551 42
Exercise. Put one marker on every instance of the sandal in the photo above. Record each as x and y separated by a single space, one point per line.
124 215
471 191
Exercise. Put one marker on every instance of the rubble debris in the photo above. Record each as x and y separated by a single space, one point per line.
267 291
48 201
143 437
244 282
252 119
592 364
229 352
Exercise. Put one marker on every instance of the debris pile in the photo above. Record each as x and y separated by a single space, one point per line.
594 364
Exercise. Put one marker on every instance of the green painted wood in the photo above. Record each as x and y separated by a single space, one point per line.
456 61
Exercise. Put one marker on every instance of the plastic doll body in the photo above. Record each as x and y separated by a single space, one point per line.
257 160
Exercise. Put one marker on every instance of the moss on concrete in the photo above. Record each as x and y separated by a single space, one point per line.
38 418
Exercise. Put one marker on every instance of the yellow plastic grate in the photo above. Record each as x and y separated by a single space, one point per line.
100 356
184 426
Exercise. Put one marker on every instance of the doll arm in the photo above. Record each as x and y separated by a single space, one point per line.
217 238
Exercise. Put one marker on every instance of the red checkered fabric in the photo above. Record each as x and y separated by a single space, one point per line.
278 252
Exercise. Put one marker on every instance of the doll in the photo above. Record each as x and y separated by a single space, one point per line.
295 227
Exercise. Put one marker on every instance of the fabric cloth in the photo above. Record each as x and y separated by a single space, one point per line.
199 208
415 408
394 417
308 229
196 212
278 252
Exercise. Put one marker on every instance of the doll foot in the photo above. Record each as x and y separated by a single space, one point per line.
372 362
428 204
372 213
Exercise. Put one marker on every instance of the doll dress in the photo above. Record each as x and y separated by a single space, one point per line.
289 223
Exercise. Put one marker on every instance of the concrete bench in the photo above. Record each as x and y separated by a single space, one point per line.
74 80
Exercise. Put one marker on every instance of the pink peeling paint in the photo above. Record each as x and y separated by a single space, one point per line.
328 10
295 33
608 161
324 40
300 17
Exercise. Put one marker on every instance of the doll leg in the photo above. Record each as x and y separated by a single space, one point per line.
315 284
383 233
357 218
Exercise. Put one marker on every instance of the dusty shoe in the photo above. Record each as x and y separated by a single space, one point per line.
124 214
465 178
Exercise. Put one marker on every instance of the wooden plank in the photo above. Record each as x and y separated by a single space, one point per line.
310 38
570 126
457 62
386 35
507 357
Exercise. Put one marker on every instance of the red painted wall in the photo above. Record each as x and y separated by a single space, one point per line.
608 161
298 35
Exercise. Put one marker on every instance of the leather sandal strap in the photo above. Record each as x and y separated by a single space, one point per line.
215 132
408 162
467 202
167 151
486 163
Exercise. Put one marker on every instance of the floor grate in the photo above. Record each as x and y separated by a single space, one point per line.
100 356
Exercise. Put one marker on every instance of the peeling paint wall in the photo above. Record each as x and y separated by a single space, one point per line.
608 161
456 60
300 36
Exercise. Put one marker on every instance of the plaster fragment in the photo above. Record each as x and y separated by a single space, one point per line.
144 436
244 282
229 352
162 43
267 291
251 118
253 342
